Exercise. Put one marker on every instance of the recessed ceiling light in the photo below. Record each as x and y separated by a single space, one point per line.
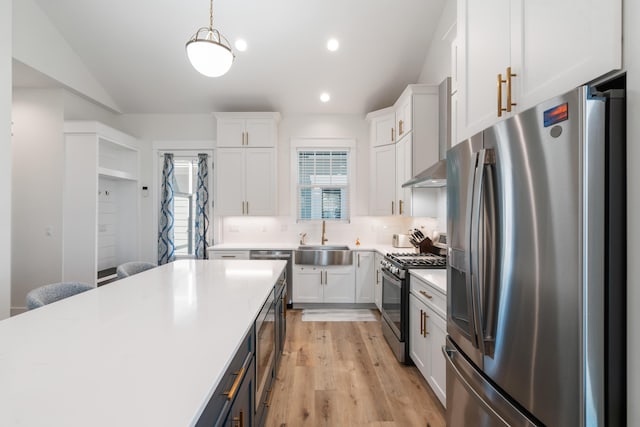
325 97
241 45
333 45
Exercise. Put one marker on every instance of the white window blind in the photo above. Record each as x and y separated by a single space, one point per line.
323 184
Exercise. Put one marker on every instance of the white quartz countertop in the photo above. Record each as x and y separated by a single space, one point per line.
383 249
148 350
437 278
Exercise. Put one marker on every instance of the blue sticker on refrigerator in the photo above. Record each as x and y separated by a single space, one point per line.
557 114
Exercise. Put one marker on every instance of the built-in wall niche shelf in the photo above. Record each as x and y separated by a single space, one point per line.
101 201
116 174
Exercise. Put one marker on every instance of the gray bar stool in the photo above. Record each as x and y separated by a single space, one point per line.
134 267
54 292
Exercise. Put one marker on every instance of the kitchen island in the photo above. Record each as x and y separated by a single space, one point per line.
146 350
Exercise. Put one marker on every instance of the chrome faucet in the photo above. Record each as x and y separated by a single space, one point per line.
324 232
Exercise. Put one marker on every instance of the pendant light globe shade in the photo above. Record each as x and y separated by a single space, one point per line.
210 55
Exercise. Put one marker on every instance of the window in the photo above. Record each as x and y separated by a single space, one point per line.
323 184
186 175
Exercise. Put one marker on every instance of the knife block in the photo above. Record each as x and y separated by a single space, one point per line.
425 245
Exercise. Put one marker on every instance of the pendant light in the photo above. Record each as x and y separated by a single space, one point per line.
209 51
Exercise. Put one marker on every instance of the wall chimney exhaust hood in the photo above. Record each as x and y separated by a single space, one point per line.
436 175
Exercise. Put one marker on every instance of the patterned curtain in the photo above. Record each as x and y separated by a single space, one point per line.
202 208
166 245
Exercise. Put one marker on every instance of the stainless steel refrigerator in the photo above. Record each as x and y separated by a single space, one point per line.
536 275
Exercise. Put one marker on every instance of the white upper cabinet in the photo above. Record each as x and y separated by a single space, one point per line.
247 129
382 128
563 44
383 174
404 173
245 166
404 112
245 183
404 141
549 47
484 51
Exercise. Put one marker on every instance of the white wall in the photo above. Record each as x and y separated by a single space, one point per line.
5 157
437 64
38 43
38 159
631 55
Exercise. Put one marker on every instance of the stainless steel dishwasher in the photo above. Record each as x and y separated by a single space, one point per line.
272 254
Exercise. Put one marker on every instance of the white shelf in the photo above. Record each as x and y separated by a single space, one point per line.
116 174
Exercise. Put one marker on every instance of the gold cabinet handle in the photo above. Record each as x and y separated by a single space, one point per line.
242 208
500 81
267 402
392 212
393 134
247 138
247 207
426 294
358 260
509 76
425 324
377 277
400 127
421 322
234 387
400 206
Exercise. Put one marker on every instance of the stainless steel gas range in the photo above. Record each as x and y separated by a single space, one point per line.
395 296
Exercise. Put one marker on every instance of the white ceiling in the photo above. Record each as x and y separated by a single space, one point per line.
136 50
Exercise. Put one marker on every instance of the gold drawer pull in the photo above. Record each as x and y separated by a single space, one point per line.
267 402
234 388
426 294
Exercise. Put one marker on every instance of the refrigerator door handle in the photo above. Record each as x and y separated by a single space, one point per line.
483 285
469 220
490 259
449 355
485 396
474 247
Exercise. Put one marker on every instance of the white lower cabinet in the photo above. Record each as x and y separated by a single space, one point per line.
365 276
427 333
331 284
377 293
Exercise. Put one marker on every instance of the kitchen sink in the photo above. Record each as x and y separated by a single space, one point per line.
323 248
324 255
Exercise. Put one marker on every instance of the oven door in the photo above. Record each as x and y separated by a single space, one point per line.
392 303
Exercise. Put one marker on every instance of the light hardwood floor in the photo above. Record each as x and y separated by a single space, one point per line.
344 374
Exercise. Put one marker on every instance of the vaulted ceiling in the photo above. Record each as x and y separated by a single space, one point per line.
136 51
